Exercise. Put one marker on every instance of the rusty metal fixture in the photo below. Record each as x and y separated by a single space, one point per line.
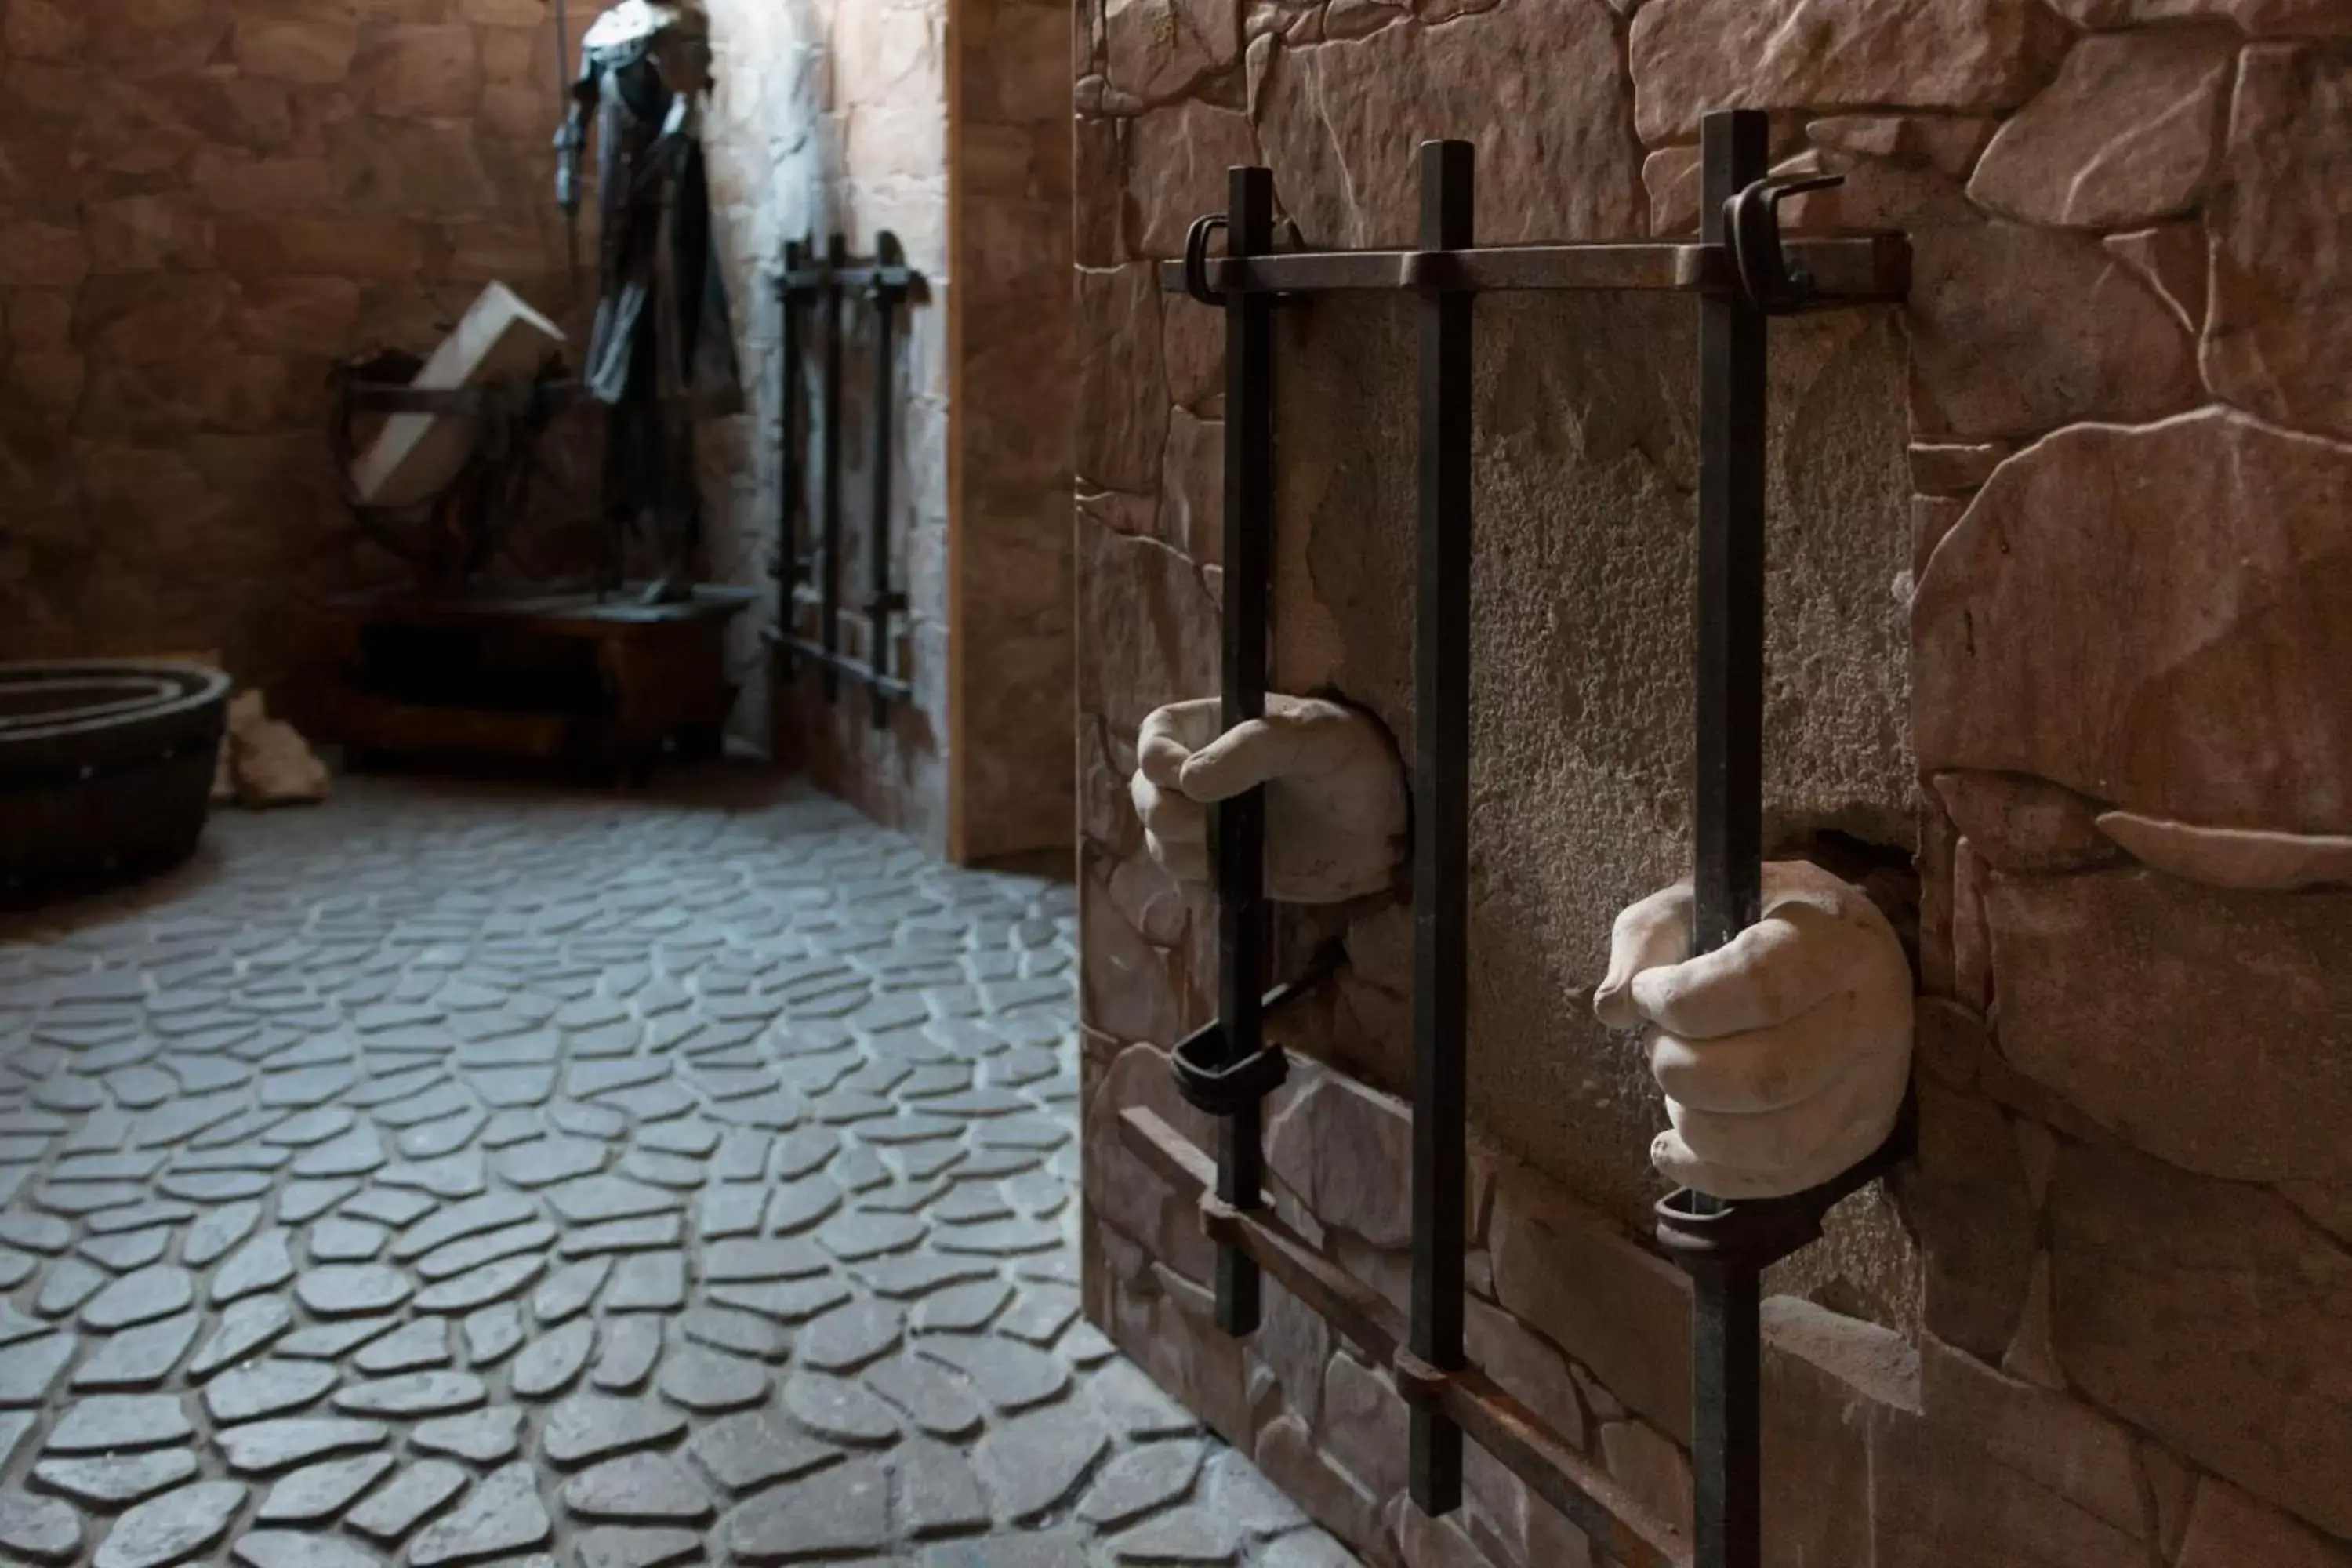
819 282
451 538
1742 271
106 771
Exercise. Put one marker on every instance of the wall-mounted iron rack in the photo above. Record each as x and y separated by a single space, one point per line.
1743 271
812 554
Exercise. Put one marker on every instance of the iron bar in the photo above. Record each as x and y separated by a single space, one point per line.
880 601
1440 904
885 283
829 631
892 273
856 671
1742 275
1853 270
792 564
1728 820
1514 1434
1239 828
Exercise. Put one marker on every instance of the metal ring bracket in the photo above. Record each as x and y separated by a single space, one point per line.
1210 1083
1218 1087
1751 227
1196 258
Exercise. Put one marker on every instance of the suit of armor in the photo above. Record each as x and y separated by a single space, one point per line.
662 354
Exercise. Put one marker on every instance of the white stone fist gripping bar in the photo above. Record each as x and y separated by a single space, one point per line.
1335 793
1786 1054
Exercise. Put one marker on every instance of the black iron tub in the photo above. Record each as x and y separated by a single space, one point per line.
106 769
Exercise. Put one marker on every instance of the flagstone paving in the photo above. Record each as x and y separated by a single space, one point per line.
486 1177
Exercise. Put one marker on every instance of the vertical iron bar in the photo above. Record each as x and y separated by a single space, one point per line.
1441 913
1728 823
791 553
836 257
1240 822
1729 815
877 534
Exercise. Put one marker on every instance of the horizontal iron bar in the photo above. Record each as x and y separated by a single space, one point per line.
465 402
853 669
804 281
1857 269
1524 1444
1513 1434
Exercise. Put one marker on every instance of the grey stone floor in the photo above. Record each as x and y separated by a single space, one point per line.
483 1176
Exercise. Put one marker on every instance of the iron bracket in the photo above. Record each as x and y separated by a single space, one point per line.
1742 270
882 285
1772 282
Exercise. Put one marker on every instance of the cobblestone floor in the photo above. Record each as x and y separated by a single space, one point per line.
481 1178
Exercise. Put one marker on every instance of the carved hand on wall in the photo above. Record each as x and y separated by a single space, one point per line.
1335 793
1785 1055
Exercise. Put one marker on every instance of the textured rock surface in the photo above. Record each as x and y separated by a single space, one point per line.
2206 692
2281 244
400 1022
1017 320
2106 997
1690 56
2150 1263
193 231
2128 133
1535 88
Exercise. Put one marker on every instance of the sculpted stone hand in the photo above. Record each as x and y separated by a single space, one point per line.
1335 795
1784 1055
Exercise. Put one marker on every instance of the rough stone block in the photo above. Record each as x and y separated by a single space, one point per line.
1827 1379
2041 1435
1537 87
1968 1199
1938 1503
2114 985
2127 613
2129 133
314 49
2211 1314
2227 1528
1155 50
1123 398
1619 1310
1690 56
420 71
1176 163
2021 824
2282 242
1348 1152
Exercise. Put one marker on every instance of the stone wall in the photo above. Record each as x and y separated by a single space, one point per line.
947 126
2062 654
831 116
1014 320
202 204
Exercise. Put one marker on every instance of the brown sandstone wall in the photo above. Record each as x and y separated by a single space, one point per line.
2109 571
202 204
948 126
1015 349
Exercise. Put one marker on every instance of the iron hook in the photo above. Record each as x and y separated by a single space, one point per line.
1196 258
1751 225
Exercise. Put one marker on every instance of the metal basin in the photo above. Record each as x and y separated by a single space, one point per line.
106 771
